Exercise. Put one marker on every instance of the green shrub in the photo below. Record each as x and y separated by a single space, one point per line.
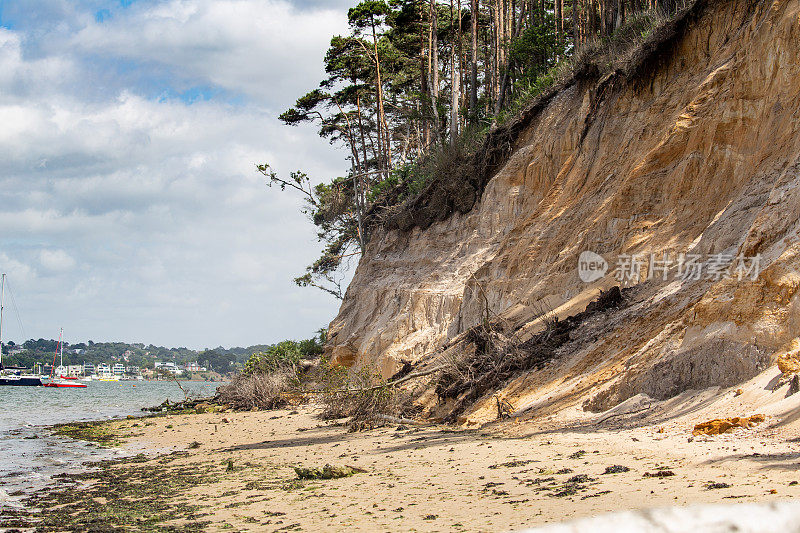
284 355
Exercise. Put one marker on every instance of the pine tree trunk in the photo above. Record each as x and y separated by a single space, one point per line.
488 62
473 82
435 70
455 83
424 70
455 97
559 8
387 148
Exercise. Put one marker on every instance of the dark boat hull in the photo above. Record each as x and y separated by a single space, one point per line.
21 381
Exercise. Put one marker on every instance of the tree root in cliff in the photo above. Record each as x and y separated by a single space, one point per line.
493 358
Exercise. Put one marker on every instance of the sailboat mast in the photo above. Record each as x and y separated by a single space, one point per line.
55 354
2 299
61 344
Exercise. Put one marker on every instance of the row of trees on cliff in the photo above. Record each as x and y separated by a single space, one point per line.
416 77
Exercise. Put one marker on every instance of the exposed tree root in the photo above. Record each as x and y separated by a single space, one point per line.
496 358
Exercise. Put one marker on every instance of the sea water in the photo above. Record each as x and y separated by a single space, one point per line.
30 455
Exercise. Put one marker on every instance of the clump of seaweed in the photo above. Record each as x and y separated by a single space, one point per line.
115 499
97 432
327 472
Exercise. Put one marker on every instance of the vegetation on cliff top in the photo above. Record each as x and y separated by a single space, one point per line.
428 97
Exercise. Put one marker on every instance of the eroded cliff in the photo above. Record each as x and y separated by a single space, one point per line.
699 154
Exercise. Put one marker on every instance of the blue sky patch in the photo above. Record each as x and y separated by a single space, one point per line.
102 15
200 93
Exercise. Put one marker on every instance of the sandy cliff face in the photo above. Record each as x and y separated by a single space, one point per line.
701 155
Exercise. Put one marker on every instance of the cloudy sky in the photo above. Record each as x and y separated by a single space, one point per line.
130 208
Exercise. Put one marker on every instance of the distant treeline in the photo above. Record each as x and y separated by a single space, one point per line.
221 360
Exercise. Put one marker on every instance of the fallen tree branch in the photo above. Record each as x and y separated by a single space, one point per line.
381 386
401 420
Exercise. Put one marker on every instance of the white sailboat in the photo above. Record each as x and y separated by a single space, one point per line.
62 381
13 375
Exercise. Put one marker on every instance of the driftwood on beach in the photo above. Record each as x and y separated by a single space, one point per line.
168 406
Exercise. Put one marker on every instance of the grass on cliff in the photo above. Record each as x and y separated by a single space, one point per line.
622 52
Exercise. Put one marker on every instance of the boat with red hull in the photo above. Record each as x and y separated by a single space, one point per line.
63 382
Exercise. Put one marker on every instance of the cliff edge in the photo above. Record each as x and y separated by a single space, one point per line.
681 182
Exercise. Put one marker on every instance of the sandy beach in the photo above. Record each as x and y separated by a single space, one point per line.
234 471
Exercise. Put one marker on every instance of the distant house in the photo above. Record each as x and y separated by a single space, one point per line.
195 367
74 370
118 369
168 366
103 370
88 369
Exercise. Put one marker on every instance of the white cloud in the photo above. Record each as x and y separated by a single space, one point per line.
15 269
266 49
20 78
128 218
56 260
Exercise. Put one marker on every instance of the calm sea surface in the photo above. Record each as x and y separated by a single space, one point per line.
30 456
